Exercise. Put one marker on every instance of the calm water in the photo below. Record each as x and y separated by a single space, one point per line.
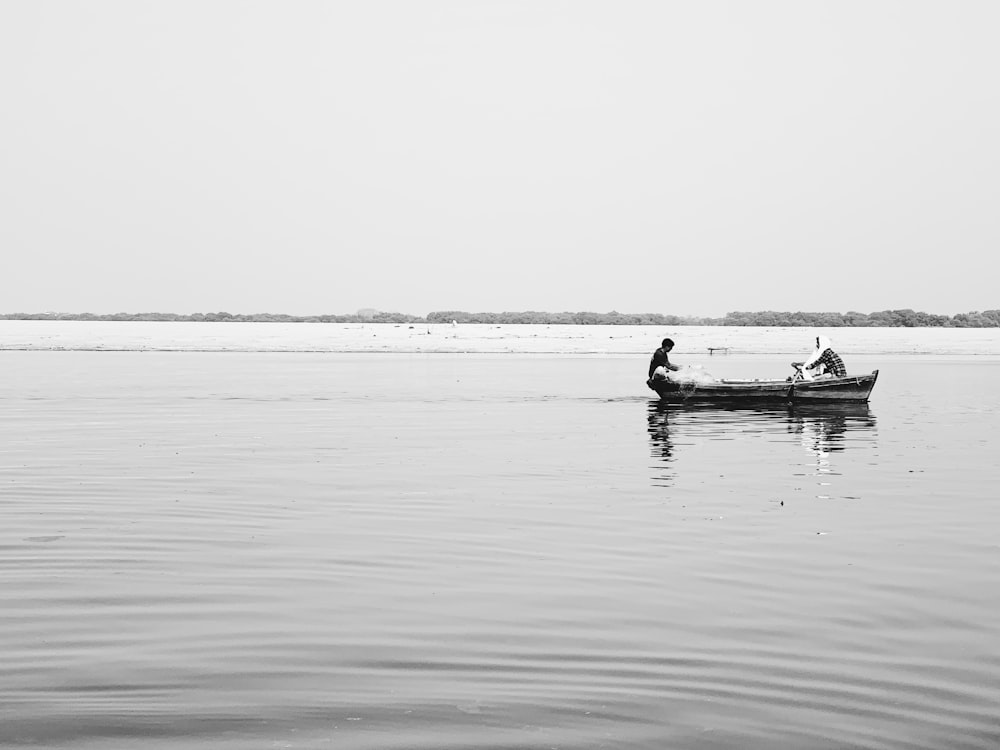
299 550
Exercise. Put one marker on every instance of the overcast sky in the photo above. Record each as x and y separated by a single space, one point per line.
688 158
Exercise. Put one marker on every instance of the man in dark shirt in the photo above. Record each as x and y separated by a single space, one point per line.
660 358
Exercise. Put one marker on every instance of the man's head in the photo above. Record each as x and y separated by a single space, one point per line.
667 344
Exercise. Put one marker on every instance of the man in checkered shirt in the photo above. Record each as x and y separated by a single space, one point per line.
826 356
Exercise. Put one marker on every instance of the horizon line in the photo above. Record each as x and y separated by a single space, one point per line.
371 312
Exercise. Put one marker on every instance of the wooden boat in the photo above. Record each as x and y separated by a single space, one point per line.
849 388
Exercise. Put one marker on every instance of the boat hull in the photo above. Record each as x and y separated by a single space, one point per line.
847 389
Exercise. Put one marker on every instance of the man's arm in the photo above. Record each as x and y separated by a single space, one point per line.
824 359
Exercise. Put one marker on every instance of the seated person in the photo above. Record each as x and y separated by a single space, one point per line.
659 363
824 356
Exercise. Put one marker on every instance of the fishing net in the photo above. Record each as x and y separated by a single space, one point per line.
694 375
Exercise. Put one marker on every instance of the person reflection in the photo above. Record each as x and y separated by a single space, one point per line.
823 428
661 444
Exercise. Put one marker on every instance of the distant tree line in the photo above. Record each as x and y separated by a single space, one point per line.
223 317
886 318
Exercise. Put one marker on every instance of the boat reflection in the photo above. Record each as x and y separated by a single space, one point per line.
822 428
